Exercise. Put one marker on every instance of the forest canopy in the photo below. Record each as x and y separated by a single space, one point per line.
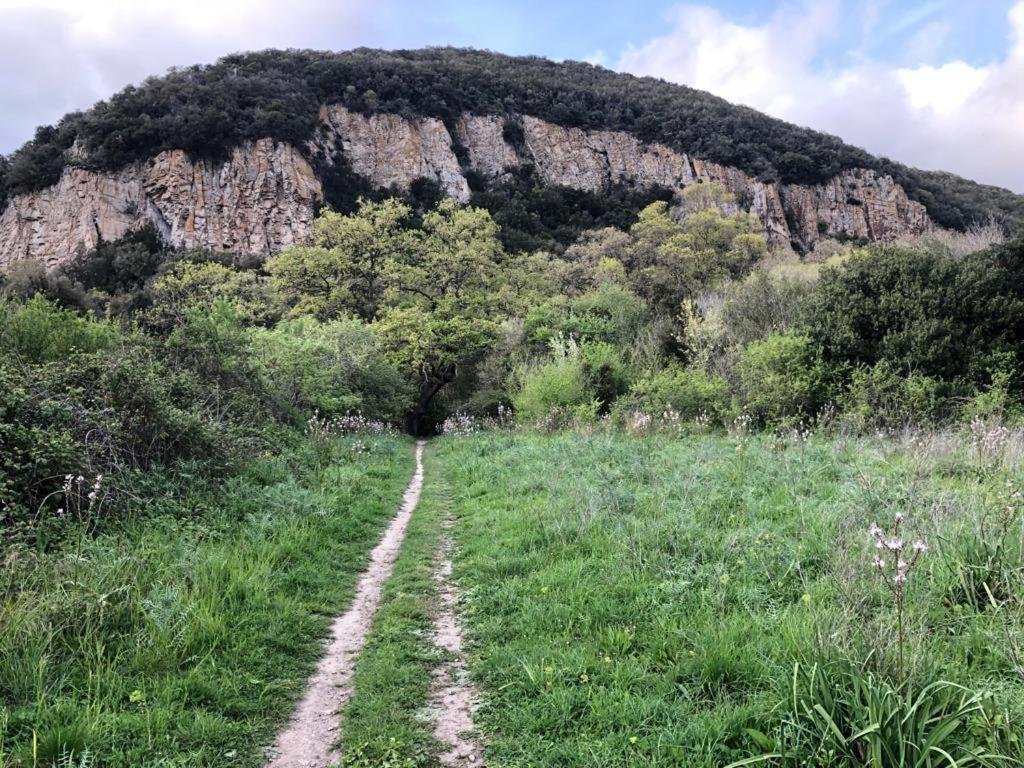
207 110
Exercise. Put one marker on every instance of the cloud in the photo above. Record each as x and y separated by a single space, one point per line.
62 55
952 116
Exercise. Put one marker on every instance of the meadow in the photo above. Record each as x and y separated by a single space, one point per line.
712 599
184 634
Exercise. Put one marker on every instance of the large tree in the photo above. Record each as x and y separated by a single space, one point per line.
345 270
443 316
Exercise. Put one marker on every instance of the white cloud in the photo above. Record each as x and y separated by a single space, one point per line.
61 55
954 116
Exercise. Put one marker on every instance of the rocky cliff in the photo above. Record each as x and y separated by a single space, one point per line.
265 195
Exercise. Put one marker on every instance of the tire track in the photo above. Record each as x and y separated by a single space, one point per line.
309 738
452 694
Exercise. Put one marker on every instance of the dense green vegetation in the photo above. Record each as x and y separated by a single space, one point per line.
195 458
419 315
207 110
645 601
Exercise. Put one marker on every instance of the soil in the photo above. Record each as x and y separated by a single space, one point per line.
310 738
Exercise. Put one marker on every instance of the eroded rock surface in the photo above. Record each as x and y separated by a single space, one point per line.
264 197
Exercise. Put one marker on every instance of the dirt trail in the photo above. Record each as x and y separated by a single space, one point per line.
452 694
309 737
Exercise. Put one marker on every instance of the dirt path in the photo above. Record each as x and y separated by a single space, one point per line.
452 694
309 738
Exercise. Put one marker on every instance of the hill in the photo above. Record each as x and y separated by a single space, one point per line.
208 112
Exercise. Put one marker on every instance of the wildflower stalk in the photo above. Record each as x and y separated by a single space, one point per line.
893 548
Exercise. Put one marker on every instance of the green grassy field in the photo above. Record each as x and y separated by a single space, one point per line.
185 636
644 601
628 601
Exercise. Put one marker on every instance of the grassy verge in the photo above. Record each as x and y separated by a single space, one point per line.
185 637
385 725
643 602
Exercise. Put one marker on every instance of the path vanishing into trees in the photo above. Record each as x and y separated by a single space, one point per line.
311 737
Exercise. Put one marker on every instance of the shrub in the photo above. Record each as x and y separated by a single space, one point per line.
557 385
923 310
879 398
35 447
762 305
331 368
689 392
782 380
40 331
605 375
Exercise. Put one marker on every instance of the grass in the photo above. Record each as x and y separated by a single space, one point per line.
644 601
184 637
385 723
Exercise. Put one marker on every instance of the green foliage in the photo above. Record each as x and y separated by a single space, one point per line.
690 392
923 311
349 266
671 261
879 398
331 367
782 379
605 374
34 445
842 716
608 314
556 386
187 285
209 110
761 305
40 332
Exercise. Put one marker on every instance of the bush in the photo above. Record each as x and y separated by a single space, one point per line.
331 367
40 331
923 310
605 375
879 398
690 392
782 380
760 306
557 385
35 446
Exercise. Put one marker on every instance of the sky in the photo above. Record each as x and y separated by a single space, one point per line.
937 84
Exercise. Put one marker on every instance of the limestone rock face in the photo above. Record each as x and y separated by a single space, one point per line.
263 198
858 203
393 152
595 160
55 223
483 137
259 200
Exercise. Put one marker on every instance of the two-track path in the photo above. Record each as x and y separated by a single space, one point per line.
310 738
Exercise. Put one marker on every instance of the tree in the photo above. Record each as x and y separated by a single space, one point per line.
189 284
923 310
442 317
346 269
671 261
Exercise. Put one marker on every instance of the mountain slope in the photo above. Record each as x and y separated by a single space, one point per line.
199 119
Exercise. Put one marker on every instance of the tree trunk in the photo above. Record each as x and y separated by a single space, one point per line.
417 421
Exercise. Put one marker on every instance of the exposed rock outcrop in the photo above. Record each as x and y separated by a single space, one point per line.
264 197
261 199
391 151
